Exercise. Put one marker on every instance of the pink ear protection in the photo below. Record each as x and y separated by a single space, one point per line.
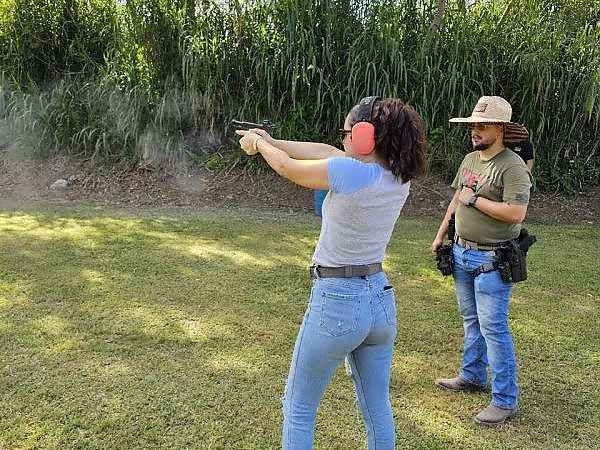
363 131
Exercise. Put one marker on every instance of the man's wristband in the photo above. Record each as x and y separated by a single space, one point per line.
472 201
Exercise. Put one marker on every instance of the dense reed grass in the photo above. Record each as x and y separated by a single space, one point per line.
158 81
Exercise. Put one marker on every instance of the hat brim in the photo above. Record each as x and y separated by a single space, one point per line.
475 119
515 132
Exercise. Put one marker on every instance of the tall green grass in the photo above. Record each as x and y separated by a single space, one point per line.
304 64
103 123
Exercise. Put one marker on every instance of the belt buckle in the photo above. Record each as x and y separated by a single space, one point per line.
476 246
472 245
483 247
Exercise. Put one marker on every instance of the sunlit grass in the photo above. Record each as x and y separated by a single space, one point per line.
122 331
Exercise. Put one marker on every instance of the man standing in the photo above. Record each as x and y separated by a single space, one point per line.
492 193
524 149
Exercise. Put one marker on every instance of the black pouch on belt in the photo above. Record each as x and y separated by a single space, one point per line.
445 260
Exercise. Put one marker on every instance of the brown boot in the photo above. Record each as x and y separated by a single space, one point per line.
458 384
493 416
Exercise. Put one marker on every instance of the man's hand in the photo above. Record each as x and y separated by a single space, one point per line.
248 141
435 245
465 195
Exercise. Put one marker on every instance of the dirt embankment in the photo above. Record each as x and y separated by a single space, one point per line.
233 187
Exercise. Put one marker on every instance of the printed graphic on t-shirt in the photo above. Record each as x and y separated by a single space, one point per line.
472 180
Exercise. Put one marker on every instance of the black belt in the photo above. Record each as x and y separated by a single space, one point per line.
317 271
478 246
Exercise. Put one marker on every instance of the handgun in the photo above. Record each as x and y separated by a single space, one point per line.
266 125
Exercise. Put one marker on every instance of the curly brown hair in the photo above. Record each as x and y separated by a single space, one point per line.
399 136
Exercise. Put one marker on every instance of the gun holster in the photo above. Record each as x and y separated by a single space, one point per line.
512 258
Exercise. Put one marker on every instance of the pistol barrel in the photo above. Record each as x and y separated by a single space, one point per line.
265 125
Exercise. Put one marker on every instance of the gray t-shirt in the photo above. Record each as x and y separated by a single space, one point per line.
359 213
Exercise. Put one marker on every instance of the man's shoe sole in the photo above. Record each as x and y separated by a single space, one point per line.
492 424
495 424
468 388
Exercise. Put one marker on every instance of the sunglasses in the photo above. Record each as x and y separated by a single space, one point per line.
480 126
343 132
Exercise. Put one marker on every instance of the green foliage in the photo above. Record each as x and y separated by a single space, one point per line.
92 121
104 123
304 63
42 41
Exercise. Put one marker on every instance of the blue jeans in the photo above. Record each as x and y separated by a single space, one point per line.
345 316
483 304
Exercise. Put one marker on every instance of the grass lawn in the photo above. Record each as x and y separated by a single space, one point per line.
122 331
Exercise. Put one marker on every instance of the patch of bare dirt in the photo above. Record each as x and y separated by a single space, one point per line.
234 188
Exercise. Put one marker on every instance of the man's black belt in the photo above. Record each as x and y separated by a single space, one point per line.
317 271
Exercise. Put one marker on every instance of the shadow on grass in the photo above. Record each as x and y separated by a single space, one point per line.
122 322
174 333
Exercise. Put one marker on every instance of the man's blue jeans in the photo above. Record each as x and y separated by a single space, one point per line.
483 304
345 316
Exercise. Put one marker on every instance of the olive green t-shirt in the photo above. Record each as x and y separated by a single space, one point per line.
503 178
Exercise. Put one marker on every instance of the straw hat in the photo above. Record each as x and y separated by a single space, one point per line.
493 109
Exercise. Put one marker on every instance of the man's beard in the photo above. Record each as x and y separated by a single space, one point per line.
482 146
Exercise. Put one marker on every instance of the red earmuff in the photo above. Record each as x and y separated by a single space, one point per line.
363 138
363 131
